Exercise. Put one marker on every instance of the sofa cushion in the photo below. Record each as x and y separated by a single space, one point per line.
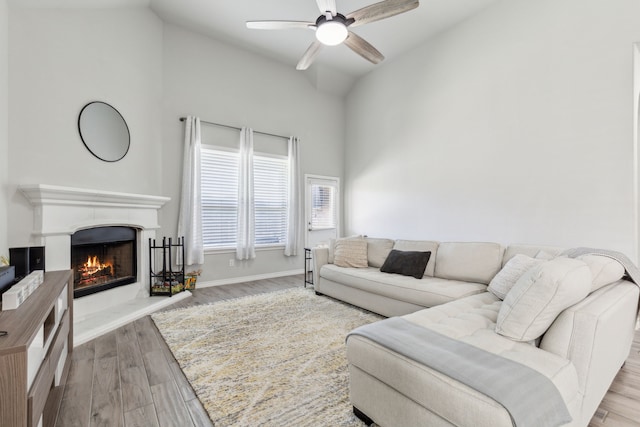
350 252
534 251
425 292
332 245
604 270
378 250
502 283
471 320
545 255
540 295
420 246
473 262
332 248
407 263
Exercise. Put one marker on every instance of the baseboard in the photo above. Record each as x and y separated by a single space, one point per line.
234 280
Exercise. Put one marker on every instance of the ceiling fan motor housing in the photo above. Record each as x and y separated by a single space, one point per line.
331 30
337 17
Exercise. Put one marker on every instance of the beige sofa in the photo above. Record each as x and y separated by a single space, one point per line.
580 352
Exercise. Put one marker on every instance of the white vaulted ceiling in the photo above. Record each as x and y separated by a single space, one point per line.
225 21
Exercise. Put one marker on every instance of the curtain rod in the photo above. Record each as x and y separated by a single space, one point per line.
182 119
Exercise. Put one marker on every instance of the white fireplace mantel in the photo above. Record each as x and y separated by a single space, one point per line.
61 211
41 194
65 210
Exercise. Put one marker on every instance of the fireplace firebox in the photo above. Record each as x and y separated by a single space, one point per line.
103 258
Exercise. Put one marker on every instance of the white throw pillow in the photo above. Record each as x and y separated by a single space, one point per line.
502 283
604 270
332 245
540 295
350 252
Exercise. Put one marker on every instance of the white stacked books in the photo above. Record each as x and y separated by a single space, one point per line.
19 292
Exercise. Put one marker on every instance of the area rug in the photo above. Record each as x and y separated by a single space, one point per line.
275 359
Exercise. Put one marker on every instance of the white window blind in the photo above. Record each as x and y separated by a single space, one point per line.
323 207
220 198
270 195
219 182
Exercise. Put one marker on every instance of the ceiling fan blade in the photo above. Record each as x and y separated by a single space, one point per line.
280 25
363 48
309 55
381 10
327 5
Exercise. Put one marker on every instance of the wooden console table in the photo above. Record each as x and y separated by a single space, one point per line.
34 355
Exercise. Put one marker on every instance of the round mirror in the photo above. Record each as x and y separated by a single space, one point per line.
104 131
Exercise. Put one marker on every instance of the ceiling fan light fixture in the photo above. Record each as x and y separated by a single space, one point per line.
331 33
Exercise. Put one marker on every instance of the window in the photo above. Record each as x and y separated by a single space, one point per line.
323 207
219 180
270 182
220 198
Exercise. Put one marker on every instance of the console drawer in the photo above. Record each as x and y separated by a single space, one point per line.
58 342
39 391
45 377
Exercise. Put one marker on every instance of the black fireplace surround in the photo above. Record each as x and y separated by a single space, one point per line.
103 258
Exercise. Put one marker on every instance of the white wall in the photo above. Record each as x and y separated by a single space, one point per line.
59 60
515 126
219 83
4 131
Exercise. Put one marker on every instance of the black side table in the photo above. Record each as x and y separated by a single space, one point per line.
308 271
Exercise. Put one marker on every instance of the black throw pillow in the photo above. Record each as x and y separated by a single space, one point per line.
407 263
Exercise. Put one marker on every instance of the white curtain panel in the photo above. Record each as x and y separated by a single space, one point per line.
293 209
190 217
245 242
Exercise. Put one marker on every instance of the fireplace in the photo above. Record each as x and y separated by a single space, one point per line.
103 258
60 212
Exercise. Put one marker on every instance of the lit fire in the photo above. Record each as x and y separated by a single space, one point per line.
93 266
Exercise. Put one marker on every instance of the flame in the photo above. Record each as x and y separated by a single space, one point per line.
94 265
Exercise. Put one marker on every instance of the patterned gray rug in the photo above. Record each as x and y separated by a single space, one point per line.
275 359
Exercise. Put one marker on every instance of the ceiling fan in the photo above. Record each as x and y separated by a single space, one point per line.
333 28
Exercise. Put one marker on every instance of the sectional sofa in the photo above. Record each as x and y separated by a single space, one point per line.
568 322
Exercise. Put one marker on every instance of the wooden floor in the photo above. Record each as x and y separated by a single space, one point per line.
621 405
130 378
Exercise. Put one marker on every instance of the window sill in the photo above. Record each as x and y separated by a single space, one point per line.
216 251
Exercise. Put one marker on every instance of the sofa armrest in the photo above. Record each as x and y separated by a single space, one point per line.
596 336
320 257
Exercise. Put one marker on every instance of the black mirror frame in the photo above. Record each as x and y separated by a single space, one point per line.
123 121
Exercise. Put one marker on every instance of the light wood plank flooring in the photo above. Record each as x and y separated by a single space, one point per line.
130 378
621 405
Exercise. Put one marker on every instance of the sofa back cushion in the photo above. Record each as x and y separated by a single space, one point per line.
378 250
540 295
420 246
468 261
534 251
604 270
